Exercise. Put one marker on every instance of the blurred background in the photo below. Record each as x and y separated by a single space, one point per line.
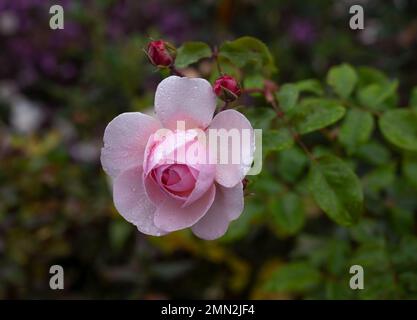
60 88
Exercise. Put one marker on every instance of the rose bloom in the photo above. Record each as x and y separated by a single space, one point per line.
160 191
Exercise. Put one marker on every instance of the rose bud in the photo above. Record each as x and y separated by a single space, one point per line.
161 53
227 88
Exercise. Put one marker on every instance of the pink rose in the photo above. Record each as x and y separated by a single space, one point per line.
163 183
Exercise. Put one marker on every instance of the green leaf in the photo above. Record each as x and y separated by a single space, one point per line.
413 98
288 213
266 183
315 113
277 140
336 189
380 178
375 95
294 277
367 230
259 117
254 81
356 129
374 153
288 96
402 220
409 169
291 164
400 128
368 75
191 52
248 51
119 232
240 227
343 79
310 86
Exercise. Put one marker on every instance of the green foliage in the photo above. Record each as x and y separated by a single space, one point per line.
288 213
343 79
191 52
288 96
375 95
400 128
277 140
356 129
410 169
336 189
312 86
295 277
291 164
413 98
314 113
249 52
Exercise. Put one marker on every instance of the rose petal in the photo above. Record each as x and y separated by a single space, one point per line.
155 193
204 180
125 139
188 99
229 174
170 216
166 147
132 203
227 206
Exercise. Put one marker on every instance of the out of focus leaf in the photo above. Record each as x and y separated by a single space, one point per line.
413 98
191 52
313 114
288 213
260 117
374 95
343 79
400 128
367 230
255 80
291 164
368 75
336 189
295 277
402 220
277 140
379 178
374 153
240 227
119 233
248 50
310 86
410 169
287 96
356 129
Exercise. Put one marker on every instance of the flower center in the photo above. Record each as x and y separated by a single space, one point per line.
175 179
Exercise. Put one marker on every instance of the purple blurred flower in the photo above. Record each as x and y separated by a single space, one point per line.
33 46
302 31
172 22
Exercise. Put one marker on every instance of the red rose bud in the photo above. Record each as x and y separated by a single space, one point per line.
227 88
161 53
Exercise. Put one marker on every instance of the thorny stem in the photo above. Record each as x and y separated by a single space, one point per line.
253 90
225 106
175 71
215 56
